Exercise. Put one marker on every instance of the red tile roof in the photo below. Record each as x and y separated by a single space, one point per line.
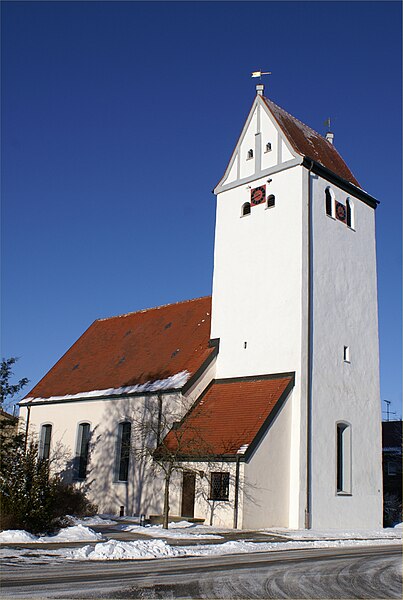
229 415
132 349
309 143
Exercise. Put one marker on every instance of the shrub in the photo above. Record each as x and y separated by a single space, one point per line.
32 497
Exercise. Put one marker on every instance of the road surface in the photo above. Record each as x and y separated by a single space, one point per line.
320 573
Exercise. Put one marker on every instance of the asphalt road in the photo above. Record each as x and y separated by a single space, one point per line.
373 572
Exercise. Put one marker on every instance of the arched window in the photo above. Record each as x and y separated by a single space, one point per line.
250 153
82 452
123 450
350 213
44 443
271 200
246 209
268 147
329 202
343 458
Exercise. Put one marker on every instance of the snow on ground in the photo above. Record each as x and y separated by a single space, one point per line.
149 549
77 533
336 534
176 530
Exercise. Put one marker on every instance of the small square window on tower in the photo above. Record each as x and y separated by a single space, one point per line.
346 354
268 147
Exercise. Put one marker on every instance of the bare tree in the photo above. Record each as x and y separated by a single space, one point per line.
166 440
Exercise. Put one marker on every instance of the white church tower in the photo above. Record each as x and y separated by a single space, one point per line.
294 290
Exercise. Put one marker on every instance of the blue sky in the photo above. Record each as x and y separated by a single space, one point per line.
119 118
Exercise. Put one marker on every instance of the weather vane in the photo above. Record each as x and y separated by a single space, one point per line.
260 73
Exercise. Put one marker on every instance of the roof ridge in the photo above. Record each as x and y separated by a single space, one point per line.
143 310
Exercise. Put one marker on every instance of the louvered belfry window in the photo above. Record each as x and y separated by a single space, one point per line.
219 489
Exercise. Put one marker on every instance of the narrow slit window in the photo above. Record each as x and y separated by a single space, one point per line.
250 154
246 209
350 214
83 446
346 354
124 438
268 147
329 202
271 201
44 445
343 458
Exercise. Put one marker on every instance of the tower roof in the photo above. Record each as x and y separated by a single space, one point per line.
309 143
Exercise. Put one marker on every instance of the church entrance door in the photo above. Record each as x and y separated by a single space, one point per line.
188 494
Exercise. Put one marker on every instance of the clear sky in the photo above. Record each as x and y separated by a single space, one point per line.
118 120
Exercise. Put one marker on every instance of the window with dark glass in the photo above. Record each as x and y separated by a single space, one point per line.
219 489
246 209
271 200
124 450
44 445
349 214
83 445
328 200
343 458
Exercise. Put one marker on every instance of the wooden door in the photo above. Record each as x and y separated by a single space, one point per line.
188 494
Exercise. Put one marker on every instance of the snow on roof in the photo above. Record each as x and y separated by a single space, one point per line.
149 350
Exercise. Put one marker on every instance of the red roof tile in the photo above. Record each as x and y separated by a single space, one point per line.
228 416
309 143
132 349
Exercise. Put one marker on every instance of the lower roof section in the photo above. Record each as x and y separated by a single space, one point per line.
230 417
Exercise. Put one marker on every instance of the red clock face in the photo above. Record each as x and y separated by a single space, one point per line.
258 195
340 211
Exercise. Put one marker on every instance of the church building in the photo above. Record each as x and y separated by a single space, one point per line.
267 392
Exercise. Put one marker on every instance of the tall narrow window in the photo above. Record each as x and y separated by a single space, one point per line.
329 202
250 153
83 445
124 436
343 458
44 444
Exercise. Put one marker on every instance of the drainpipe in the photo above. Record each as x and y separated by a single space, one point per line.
238 460
27 427
308 507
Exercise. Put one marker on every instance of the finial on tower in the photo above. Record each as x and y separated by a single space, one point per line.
260 86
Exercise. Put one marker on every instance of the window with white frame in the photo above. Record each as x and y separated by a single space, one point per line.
44 441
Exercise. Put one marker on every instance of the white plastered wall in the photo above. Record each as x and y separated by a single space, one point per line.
345 314
257 279
267 475
143 493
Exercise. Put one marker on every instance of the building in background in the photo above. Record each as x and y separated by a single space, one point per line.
392 445
276 375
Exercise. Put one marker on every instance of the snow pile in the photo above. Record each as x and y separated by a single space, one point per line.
17 536
170 383
148 549
114 550
398 526
77 533
157 531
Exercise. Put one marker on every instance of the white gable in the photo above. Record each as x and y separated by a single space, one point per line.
262 149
